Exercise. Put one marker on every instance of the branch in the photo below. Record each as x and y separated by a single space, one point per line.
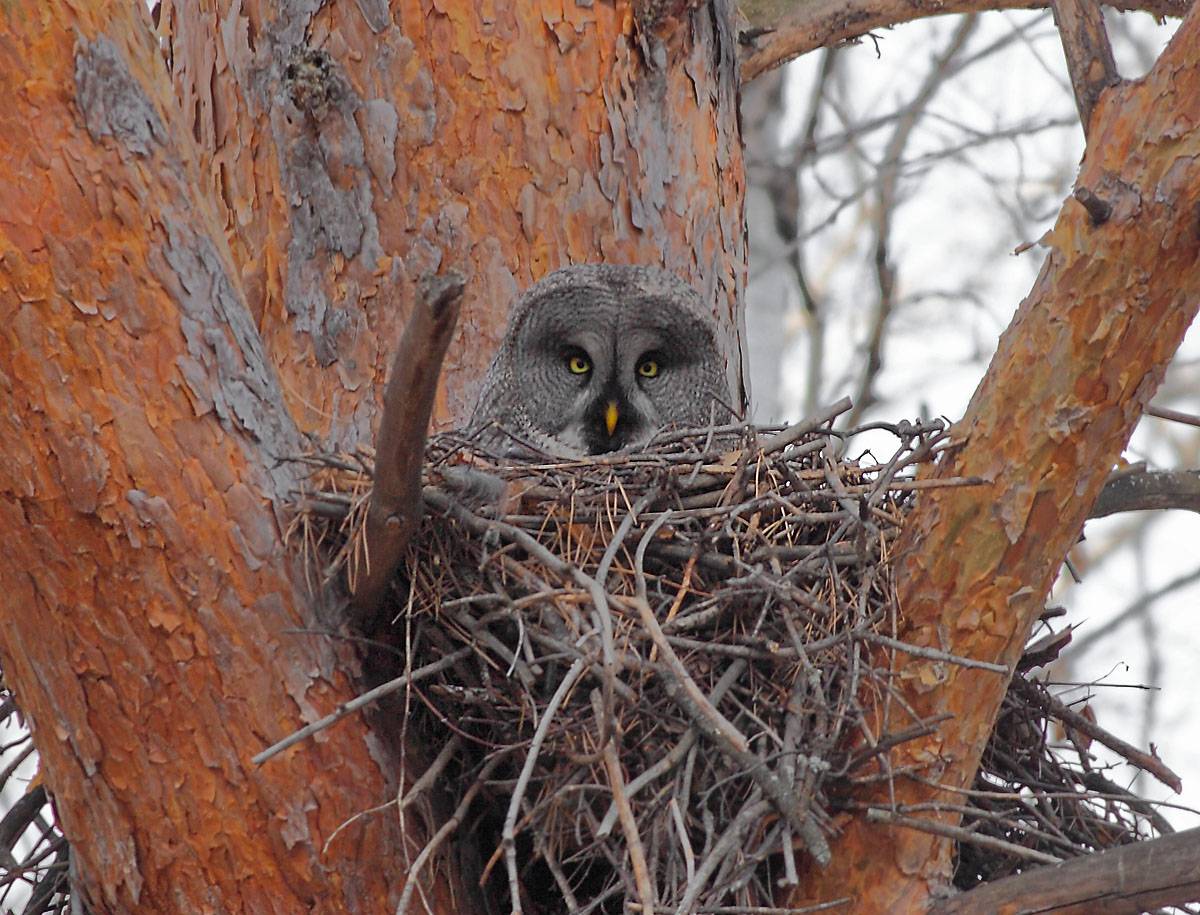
1088 52
1146 490
1082 358
1147 762
778 30
1130 878
1188 419
395 508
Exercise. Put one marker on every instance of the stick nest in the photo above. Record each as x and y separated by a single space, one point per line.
649 673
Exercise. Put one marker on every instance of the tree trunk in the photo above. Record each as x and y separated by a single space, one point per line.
192 282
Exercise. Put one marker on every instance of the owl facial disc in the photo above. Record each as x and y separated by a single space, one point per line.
598 358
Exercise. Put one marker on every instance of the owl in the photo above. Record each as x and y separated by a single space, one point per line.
598 358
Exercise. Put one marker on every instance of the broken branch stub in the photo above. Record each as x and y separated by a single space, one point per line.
395 506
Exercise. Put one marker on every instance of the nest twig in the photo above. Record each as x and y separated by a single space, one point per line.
666 653
651 666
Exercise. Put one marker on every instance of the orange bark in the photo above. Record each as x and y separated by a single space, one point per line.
146 592
501 139
175 314
1073 372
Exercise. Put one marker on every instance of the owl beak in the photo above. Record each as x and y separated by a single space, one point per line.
611 415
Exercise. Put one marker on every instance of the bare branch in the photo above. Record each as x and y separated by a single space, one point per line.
1178 416
1088 52
784 29
395 507
887 201
1130 878
1143 490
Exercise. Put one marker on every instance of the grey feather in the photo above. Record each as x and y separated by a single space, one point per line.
651 348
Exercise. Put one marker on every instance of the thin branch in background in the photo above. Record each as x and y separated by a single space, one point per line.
887 199
1133 611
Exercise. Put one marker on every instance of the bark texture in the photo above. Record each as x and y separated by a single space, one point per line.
352 146
1083 356
147 597
195 276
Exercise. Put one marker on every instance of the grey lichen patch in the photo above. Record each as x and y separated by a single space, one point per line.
111 100
225 364
328 156
314 83
380 125
375 12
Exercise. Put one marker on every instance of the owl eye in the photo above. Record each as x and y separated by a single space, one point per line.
579 365
648 368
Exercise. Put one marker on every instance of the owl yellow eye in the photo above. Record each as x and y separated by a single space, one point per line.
648 368
579 365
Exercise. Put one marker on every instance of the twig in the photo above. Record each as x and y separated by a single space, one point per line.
633 841
781 440
676 754
358 702
395 507
446 829
725 845
1177 416
959 834
1072 719
430 775
930 654
717 727
509 835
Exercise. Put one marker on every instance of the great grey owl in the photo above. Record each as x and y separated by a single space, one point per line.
599 357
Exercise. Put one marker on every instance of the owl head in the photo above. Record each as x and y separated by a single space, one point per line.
599 357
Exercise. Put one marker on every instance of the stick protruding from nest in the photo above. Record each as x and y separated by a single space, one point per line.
395 507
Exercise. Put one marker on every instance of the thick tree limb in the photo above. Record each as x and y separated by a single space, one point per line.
1088 52
778 30
1083 356
1130 878
148 598
395 508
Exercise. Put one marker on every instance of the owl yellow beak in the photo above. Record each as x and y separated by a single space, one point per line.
611 415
